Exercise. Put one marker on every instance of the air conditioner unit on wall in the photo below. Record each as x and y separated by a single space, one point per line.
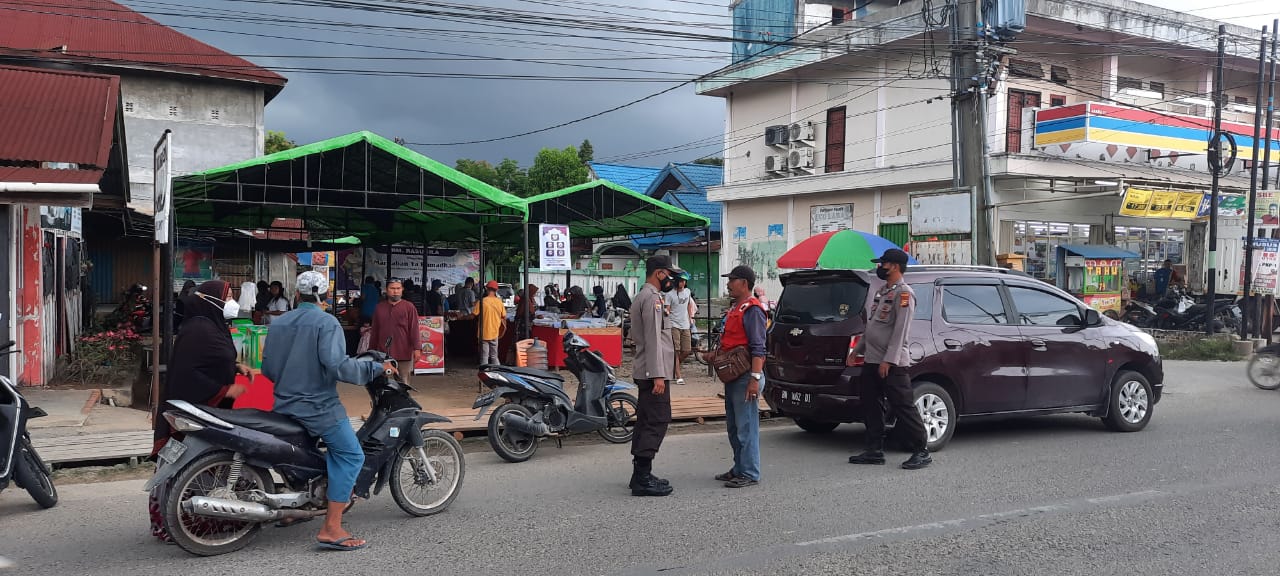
800 159
776 135
801 132
775 163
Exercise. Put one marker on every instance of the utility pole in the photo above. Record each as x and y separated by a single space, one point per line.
1250 301
969 80
1271 104
1215 167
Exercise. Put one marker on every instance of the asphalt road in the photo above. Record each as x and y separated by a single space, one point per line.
1195 493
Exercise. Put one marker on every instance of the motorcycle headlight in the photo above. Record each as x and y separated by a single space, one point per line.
182 423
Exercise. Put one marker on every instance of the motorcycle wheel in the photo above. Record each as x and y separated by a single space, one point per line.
411 489
31 473
621 425
1264 371
512 446
202 535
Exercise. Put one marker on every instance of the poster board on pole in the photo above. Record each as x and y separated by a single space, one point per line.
162 183
553 247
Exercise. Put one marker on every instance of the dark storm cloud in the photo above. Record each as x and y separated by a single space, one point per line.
317 106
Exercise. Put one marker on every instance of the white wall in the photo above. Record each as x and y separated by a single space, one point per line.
200 141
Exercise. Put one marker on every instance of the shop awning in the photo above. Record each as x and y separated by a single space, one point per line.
602 209
1099 252
359 184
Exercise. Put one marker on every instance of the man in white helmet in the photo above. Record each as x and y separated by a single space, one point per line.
305 355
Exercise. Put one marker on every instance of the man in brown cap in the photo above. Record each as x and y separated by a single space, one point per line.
652 370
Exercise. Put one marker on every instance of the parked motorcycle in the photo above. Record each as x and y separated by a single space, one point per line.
18 459
1178 311
537 406
224 491
135 310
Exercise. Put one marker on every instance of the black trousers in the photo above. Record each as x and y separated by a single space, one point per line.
653 415
897 390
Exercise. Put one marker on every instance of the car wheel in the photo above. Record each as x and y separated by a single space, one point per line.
938 412
1131 403
815 427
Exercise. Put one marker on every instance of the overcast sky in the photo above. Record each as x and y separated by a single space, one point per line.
314 106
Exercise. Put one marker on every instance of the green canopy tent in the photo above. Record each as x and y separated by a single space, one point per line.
359 184
602 209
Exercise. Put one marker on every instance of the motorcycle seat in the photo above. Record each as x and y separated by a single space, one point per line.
254 419
531 372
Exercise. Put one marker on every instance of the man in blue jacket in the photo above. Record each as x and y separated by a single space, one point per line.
305 355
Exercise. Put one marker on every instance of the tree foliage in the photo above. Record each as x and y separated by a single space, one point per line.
554 169
585 152
277 142
710 160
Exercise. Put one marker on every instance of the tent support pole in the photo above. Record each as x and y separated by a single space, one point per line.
528 296
710 282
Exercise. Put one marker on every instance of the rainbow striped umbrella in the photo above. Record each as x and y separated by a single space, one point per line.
840 250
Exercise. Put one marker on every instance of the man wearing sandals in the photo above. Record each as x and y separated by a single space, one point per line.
744 326
305 355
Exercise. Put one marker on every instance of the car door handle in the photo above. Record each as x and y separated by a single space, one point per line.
952 344
1038 345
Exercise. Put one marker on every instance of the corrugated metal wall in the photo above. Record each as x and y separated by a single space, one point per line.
117 264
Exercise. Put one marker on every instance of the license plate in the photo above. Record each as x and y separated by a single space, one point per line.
484 400
797 398
172 451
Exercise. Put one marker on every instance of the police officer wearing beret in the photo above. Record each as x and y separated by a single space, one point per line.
652 370
884 375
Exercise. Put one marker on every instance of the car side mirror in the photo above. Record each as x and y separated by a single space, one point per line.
1092 318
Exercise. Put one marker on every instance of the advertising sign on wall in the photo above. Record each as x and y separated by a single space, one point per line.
553 247
1266 265
830 218
1175 205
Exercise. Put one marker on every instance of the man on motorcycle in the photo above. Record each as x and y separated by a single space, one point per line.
305 356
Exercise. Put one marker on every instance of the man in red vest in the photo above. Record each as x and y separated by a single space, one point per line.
744 325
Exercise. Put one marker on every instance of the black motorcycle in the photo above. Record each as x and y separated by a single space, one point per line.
223 490
537 406
18 459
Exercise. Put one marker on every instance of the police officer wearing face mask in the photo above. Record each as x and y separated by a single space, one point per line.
652 370
884 374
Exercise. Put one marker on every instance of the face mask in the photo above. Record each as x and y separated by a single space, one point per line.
882 273
667 284
230 308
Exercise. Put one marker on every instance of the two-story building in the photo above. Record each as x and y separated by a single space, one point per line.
847 124
212 101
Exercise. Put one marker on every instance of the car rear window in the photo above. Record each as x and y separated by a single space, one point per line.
821 301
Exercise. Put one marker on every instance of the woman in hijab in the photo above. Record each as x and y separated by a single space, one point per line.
577 302
621 300
178 310
600 307
202 369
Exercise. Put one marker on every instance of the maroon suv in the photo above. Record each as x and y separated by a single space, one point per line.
984 342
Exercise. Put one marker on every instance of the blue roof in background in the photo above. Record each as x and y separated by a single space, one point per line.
698 204
636 178
702 175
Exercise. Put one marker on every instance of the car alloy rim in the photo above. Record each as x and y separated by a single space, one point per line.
1133 402
933 412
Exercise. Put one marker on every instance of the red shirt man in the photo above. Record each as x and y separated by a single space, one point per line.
397 319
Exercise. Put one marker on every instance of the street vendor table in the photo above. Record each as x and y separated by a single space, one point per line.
606 341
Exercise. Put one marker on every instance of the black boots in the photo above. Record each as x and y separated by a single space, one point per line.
869 456
644 483
918 460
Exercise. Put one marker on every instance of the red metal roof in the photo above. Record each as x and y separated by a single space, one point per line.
50 176
56 116
106 33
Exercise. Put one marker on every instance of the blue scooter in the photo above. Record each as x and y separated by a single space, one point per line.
537 406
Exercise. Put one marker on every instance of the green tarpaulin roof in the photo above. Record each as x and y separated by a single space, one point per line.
602 209
359 184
